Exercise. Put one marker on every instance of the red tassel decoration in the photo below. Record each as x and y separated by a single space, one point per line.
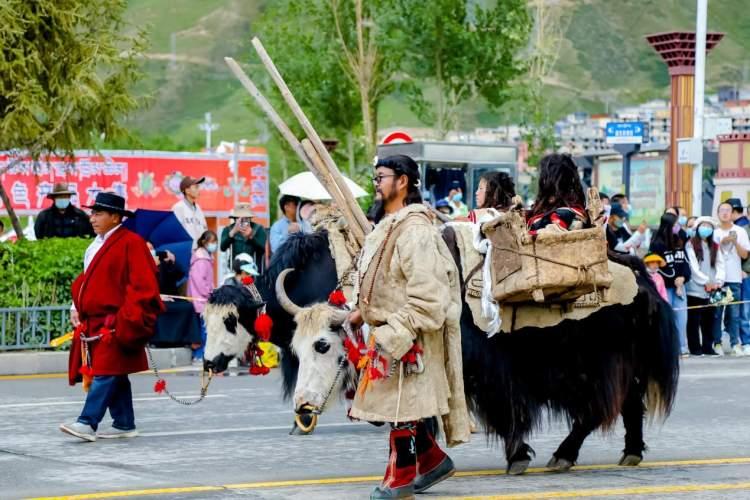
411 354
337 298
160 386
263 325
248 280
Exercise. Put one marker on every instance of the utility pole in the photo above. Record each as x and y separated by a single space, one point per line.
208 126
700 82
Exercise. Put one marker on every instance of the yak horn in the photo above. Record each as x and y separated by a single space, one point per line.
338 317
282 297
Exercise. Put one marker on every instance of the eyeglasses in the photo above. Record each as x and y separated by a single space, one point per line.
379 178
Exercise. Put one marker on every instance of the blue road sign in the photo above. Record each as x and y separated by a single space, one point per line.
627 133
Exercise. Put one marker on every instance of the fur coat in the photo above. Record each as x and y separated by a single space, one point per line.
414 297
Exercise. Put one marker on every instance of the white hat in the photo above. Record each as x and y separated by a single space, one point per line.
708 219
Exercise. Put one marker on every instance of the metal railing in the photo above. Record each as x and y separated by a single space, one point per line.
32 327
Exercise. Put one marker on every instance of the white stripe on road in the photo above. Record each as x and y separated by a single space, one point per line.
64 403
239 429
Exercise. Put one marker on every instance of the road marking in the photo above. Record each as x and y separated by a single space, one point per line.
609 492
240 429
64 403
65 375
490 472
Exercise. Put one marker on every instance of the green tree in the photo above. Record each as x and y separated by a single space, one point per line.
467 50
66 69
339 57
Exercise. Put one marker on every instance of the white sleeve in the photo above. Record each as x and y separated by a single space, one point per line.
695 268
720 268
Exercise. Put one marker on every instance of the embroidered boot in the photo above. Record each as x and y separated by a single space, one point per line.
402 467
433 465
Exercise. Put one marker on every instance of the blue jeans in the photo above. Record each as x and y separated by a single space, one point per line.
113 392
680 317
198 353
731 317
745 313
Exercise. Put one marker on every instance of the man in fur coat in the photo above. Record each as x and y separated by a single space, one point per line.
115 304
408 294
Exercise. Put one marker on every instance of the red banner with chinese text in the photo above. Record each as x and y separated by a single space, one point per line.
147 179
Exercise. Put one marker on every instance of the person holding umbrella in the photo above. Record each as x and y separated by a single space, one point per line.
243 235
62 219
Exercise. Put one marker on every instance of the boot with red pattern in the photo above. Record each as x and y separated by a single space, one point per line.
433 465
402 466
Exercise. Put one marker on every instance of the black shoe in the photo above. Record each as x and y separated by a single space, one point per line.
440 473
386 493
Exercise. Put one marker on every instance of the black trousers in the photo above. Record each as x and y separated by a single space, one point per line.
700 327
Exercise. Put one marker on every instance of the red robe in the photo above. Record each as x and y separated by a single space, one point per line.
118 290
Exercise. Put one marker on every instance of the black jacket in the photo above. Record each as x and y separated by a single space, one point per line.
677 263
71 223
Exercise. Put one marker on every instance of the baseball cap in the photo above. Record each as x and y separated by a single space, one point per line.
188 181
734 203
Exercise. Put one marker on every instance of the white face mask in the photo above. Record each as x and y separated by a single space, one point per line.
211 247
62 203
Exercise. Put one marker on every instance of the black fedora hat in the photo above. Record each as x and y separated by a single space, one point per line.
110 202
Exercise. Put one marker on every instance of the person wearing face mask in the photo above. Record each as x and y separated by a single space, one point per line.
691 229
456 201
668 244
62 219
618 238
681 224
707 276
201 283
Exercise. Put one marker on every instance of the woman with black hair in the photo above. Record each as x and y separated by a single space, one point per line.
670 246
560 199
494 194
707 267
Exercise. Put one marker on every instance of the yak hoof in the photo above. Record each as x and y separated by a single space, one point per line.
630 460
559 464
518 467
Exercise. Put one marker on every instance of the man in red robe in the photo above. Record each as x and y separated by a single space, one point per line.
115 304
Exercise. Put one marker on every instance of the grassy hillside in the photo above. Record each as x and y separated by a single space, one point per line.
603 58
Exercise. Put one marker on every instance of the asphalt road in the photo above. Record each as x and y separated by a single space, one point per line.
235 444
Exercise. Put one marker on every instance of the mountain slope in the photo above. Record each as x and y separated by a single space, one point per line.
604 60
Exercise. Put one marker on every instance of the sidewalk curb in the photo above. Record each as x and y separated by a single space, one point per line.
44 362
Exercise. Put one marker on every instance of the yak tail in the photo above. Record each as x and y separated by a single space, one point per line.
657 347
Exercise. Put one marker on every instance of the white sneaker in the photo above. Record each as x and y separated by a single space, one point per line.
719 349
115 433
79 430
737 351
746 349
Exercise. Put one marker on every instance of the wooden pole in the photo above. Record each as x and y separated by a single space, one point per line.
282 127
359 215
357 231
304 150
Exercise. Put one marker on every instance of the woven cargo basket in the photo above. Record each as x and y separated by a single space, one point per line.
548 267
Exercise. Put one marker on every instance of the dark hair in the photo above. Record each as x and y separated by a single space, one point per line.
500 190
615 198
203 240
664 234
698 248
287 198
603 196
404 165
559 185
